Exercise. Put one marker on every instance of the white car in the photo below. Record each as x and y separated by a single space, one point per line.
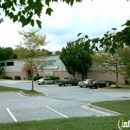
45 81
85 82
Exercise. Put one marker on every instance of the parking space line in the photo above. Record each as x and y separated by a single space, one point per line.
57 112
11 115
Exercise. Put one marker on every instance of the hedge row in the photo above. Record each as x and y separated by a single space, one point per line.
17 77
7 77
51 77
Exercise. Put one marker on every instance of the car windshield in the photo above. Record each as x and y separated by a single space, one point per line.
90 80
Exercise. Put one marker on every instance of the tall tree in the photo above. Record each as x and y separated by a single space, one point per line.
107 62
83 55
28 50
77 57
67 56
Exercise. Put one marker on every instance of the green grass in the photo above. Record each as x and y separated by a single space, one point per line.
119 106
4 88
77 123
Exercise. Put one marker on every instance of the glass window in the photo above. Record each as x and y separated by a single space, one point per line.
10 64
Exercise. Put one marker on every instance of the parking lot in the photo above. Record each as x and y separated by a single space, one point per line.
59 102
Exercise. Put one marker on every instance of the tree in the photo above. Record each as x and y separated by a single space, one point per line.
108 62
28 50
57 52
83 55
125 59
77 57
119 40
28 11
7 53
67 56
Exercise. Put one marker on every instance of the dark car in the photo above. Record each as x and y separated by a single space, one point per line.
68 80
97 84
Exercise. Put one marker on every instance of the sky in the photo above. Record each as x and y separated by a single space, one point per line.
92 18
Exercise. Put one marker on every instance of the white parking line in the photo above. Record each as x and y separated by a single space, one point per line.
57 112
11 115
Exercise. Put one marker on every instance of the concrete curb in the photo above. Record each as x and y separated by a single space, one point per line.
31 94
100 110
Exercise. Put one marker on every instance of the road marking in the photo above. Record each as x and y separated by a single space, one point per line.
11 115
57 112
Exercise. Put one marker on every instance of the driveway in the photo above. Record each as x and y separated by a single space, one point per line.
59 102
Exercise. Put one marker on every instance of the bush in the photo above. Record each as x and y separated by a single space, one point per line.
127 81
110 82
17 77
54 78
37 78
7 77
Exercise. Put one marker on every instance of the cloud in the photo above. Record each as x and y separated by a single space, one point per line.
92 18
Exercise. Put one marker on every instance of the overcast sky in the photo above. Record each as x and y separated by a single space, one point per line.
92 18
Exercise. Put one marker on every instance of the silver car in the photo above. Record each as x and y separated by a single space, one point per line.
45 81
85 82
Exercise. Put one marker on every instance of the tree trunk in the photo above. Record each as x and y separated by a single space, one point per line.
32 73
74 74
32 80
32 84
116 79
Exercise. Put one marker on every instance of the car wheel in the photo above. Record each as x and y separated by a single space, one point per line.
43 83
65 84
97 86
81 86
53 82
60 84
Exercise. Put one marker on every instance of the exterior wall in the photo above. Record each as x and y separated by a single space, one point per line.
55 67
105 76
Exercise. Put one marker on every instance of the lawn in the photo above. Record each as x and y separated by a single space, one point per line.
77 123
3 88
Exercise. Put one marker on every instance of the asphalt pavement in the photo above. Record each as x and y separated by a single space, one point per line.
59 102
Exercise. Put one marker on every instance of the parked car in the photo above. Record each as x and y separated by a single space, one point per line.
84 83
97 84
45 81
68 80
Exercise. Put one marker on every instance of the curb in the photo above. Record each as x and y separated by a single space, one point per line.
31 94
100 110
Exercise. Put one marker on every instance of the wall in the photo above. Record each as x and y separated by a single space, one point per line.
105 76
56 69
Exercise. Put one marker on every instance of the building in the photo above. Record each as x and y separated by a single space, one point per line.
54 67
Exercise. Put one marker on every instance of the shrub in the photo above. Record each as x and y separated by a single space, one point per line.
37 78
7 77
110 82
126 81
54 78
17 77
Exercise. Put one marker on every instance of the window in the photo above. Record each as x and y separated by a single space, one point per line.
2 64
50 62
9 63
